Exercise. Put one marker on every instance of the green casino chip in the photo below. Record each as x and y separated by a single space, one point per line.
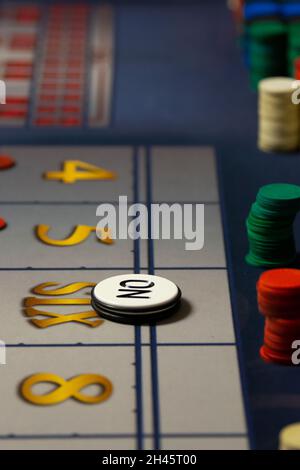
262 29
279 195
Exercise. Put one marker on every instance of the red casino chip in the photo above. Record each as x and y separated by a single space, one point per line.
282 339
284 311
278 349
6 162
280 280
275 357
280 343
3 224
282 327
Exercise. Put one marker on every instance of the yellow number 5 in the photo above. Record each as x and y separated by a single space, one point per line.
79 235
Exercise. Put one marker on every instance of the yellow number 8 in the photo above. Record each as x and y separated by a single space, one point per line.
66 389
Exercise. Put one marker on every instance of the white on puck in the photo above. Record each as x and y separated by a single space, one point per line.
140 293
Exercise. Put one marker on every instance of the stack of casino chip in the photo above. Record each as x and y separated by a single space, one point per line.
270 226
278 296
279 117
266 49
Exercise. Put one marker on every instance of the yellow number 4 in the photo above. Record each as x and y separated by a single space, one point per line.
75 170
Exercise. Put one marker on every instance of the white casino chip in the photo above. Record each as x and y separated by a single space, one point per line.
278 85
